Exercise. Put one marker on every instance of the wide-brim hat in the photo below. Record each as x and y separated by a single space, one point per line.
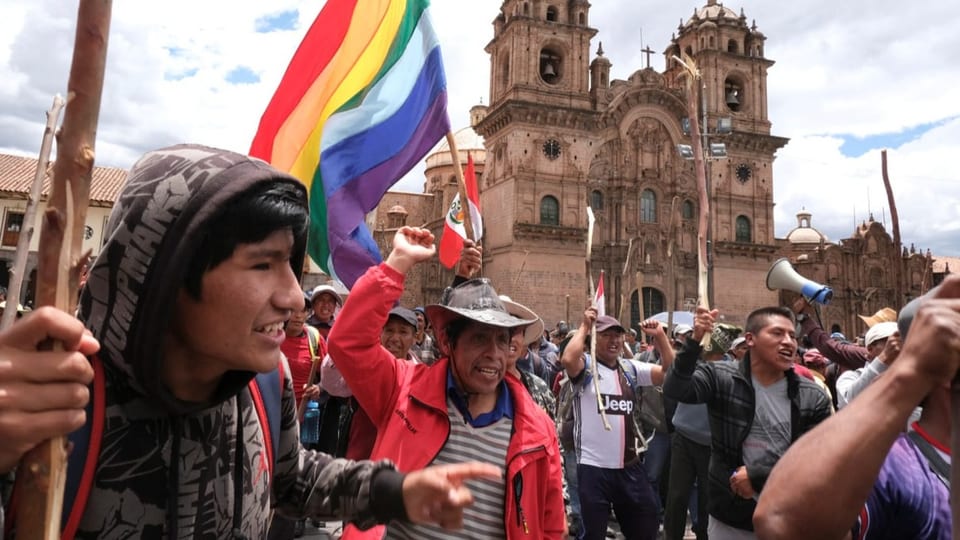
884 315
475 300
533 332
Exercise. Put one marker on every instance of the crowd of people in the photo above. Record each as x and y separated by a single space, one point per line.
467 418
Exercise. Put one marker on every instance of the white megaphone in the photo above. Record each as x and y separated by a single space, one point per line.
783 276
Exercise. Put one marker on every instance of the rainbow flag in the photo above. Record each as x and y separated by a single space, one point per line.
363 100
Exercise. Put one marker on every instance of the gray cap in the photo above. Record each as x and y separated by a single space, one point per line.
405 315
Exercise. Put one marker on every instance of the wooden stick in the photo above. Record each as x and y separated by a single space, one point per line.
461 186
42 471
593 327
19 268
895 220
699 165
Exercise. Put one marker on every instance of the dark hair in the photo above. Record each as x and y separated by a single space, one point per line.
250 217
758 318
454 329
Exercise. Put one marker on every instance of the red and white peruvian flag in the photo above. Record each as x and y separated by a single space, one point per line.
598 298
451 241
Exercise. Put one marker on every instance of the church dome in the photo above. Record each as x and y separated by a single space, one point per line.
467 140
397 209
713 11
804 233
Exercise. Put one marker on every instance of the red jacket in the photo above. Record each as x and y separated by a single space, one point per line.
408 404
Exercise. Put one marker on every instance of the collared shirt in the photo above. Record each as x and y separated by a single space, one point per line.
503 407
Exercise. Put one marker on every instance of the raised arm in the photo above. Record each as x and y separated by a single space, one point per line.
370 370
846 354
572 359
661 342
797 504
684 381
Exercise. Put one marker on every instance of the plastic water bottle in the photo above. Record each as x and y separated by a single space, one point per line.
310 430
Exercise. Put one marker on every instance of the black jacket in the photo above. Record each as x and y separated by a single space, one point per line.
727 389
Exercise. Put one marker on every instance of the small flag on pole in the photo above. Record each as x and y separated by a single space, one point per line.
454 232
598 298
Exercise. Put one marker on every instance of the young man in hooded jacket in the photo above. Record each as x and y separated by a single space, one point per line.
186 304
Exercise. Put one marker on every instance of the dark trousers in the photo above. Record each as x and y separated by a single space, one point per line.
689 462
630 494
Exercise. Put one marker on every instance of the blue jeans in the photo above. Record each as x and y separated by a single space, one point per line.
629 492
656 459
570 473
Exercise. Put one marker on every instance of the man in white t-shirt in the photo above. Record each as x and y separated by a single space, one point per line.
610 461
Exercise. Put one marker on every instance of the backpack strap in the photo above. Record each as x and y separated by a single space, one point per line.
938 465
266 390
82 461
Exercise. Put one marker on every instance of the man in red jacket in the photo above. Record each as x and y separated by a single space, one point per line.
462 408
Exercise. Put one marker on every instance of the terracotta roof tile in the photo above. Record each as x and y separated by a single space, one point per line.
16 178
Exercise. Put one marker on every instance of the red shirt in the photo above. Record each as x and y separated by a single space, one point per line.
297 351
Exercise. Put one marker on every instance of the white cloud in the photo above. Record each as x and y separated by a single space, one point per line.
842 68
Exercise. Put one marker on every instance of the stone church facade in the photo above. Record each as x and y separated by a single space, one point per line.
559 135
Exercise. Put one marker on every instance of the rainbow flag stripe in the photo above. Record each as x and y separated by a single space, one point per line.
363 100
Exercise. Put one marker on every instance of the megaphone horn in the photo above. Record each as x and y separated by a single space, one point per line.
782 275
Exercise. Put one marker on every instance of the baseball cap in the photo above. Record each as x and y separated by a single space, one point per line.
879 331
325 289
681 329
405 315
736 343
606 322
814 358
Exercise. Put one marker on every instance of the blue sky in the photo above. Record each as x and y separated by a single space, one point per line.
850 78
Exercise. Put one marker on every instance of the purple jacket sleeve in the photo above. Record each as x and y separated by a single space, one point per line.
846 354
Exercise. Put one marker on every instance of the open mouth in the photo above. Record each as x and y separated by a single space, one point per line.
270 329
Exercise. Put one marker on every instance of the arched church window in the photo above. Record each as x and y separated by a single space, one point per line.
689 51
733 46
551 14
653 303
596 200
526 9
711 42
549 211
648 206
686 210
743 229
583 19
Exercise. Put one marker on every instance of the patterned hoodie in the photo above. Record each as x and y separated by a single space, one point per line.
169 468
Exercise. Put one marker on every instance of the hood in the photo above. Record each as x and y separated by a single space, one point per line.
152 234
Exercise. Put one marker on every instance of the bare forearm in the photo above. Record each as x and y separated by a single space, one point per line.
797 504
572 359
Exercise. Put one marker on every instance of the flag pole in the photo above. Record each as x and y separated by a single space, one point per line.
461 186
42 471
